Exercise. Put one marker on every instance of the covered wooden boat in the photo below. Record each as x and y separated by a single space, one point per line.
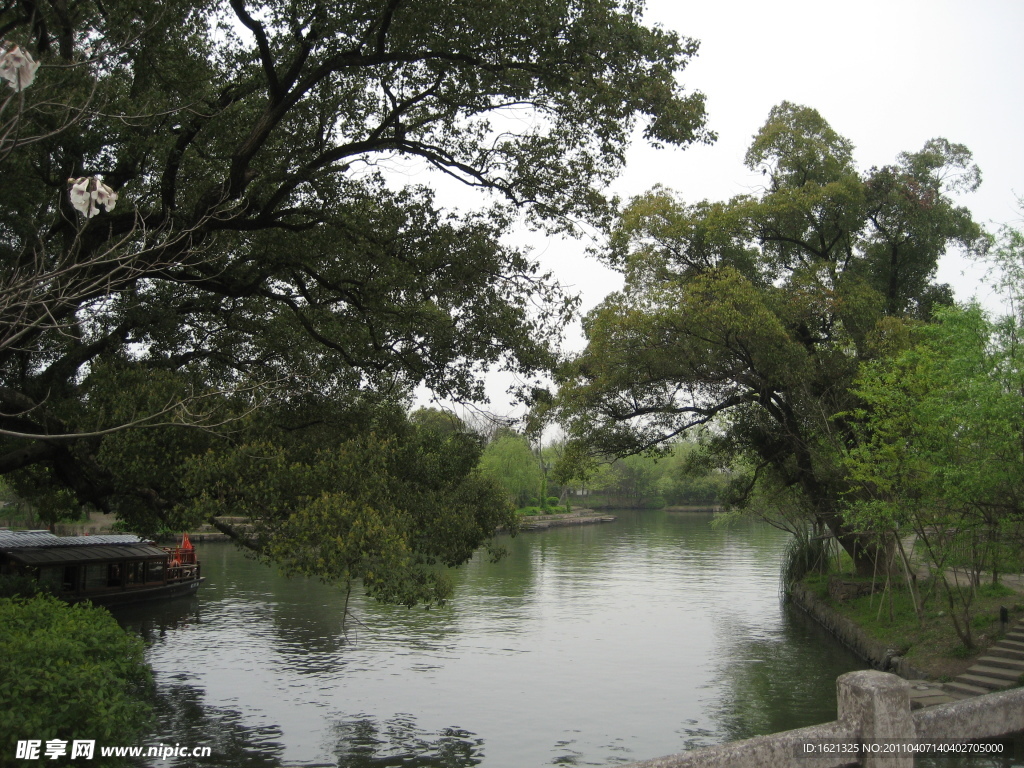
106 569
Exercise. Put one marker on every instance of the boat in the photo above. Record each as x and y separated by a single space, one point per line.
106 569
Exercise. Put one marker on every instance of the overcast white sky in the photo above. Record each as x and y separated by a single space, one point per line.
887 74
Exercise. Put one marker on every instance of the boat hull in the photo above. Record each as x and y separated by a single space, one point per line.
142 594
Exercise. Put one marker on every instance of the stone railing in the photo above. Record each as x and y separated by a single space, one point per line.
874 711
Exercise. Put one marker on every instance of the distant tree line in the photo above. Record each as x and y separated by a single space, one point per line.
534 475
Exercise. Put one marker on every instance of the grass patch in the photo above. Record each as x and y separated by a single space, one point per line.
995 590
886 616
932 644
960 652
818 584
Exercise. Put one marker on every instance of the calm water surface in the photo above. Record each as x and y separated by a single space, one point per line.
587 645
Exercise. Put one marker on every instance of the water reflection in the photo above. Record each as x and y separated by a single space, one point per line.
184 718
589 645
362 742
153 622
763 682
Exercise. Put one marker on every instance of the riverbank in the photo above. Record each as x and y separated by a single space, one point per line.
692 510
580 516
99 523
877 653
926 651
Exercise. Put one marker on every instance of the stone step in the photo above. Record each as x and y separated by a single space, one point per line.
1005 662
1009 676
1009 654
982 681
957 695
963 689
1012 645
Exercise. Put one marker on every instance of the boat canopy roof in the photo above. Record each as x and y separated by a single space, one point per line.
72 555
43 548
22 539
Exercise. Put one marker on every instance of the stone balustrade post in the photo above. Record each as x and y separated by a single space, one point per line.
877 707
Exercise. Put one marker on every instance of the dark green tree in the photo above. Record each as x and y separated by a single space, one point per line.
752 315
438 420
268 276
383 506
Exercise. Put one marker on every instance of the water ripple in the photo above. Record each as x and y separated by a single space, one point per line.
589 645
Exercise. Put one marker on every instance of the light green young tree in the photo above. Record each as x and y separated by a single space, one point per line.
939 459
510 461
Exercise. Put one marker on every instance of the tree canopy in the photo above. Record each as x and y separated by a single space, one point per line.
938 445
239 238
241 251
752 315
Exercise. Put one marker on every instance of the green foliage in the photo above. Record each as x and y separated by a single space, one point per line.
7 494
805 556
12 585
929 643
509 460
961 651
681 474
981 621
268 276
752 315
996 590
68 672
691 476
438 421
551 509
939 449
382 506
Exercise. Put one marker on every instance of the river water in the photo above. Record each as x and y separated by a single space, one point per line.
586 645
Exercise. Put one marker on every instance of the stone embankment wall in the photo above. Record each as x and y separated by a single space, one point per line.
875 652
576 517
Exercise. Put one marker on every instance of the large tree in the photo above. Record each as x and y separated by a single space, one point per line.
268 267
753 314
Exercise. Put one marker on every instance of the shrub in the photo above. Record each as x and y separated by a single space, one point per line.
803 556
68 672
